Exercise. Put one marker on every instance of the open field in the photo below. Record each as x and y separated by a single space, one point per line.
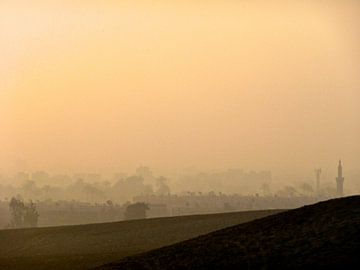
325 235
84 246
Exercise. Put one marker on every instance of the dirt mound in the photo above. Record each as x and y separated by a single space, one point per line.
325 235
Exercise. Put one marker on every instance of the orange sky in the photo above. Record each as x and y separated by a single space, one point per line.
105 87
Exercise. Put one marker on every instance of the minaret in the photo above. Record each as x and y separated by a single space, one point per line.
340 181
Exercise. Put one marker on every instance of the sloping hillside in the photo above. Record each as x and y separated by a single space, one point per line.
84 246
321 236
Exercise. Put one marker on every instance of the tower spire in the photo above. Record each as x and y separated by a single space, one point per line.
340 181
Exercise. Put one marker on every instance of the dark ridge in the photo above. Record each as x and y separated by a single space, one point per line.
325 235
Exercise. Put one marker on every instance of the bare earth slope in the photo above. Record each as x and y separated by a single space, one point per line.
84 246
321 236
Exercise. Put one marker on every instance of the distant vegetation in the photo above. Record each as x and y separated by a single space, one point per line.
136 211
121 188
57 213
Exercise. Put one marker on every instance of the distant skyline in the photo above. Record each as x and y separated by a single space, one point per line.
260 85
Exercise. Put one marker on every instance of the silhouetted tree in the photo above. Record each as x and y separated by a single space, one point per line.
136 211
110 203
17 210
23 215
31 215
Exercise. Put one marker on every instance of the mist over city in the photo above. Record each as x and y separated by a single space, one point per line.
133 132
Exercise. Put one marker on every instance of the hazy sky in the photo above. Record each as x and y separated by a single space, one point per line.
98 85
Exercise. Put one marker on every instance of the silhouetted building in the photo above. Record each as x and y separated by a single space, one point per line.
340 181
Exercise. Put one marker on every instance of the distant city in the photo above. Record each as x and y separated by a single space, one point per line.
86 198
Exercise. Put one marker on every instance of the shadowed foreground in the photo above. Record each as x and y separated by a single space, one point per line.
321 236
85 246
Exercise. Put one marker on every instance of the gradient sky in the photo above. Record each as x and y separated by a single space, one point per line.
94 86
